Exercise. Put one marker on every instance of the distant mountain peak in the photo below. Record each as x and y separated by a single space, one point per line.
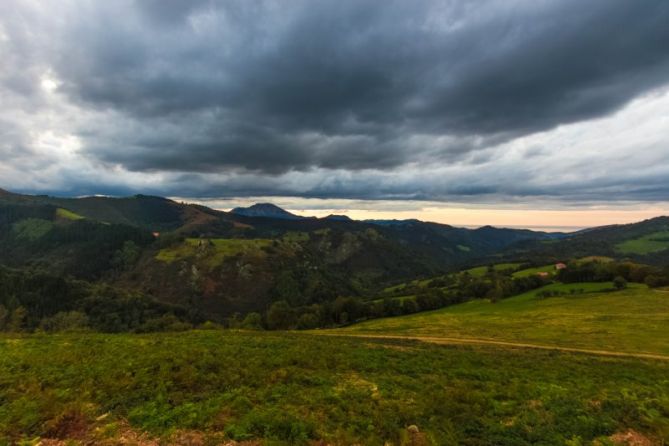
265 210
393 222
337 217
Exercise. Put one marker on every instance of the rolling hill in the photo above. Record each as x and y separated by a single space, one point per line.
190 254
224 263
646 241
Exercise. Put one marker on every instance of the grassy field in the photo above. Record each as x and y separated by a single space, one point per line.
201 387
632 320
67 214
32 228
482 270
550 269
214 250
478 271
657 241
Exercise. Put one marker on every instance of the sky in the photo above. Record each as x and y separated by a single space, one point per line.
529 113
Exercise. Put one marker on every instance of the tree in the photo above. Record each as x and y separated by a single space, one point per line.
17 320
495 294
127 256
65 321
620 283
307 321
410 306
252 321
280 316
4 315
655 280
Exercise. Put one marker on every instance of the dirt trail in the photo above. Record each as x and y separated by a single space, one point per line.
475 341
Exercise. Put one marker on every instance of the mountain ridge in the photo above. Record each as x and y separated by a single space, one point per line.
223 263
266 210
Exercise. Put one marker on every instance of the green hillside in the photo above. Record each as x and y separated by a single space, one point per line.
482 270
646 241
632 320
212 387
215 250
654 242
548 269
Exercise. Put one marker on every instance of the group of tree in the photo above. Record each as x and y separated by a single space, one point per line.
281 315
612 271
35 300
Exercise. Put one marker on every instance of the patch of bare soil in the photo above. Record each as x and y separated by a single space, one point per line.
632 438
71 430
69 425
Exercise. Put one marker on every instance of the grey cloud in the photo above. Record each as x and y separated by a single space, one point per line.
264 74
252 92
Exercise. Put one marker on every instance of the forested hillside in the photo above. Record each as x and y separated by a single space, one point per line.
312 272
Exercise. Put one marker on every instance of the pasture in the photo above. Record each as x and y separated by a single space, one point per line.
632 320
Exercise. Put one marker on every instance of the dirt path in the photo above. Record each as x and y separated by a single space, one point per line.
474 341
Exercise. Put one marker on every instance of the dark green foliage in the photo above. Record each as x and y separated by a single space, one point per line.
252 321
65 321
126 257
81 248
280 316
609 271
32 299
619 282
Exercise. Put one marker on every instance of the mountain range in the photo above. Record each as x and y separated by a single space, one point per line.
222 263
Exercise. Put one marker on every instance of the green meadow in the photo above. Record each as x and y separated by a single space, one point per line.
657 241
214 250
550 269
482 270
31 228
67 214
632 320
282 388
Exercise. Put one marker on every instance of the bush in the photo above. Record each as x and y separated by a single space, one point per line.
252 321
307 321
655 281
619 283
167 322
65 321
280 316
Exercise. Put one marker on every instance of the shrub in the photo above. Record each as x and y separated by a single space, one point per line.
252 321
65 321
619 283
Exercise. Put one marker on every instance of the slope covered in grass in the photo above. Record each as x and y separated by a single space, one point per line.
67 214
632 320
482 270
657 241
284 388
213 250
550 269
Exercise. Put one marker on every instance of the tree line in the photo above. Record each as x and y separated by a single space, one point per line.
35 300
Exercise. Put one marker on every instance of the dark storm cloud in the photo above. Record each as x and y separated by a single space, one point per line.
276 86
254 91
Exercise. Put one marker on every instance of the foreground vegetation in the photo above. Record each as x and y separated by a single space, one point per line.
201 387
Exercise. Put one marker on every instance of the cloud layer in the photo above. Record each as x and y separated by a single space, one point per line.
428 100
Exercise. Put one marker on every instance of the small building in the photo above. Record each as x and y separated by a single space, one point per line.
559 266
